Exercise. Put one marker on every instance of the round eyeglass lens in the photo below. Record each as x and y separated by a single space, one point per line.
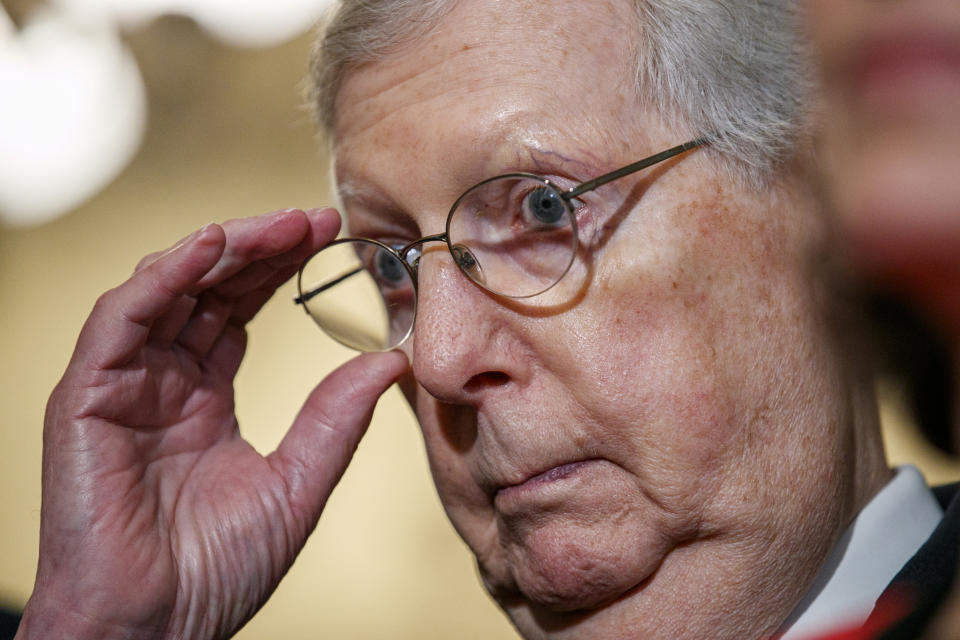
513 235
360 294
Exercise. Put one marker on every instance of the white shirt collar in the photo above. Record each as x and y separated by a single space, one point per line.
882 538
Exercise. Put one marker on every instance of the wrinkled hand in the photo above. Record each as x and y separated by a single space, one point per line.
158 518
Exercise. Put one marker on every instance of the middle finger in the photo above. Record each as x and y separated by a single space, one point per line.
257 247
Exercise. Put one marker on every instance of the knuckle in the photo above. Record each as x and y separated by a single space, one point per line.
146 261
105 301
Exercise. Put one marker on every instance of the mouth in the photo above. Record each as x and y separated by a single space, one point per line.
545 478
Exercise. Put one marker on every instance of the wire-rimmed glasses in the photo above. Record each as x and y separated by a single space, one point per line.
514 235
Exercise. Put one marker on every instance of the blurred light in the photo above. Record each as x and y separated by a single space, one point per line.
72 115
73 110
7 29
247 23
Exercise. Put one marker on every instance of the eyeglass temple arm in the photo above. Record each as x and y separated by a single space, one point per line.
309 295
590 185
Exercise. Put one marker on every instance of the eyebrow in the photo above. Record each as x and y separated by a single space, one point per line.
352 191
372 211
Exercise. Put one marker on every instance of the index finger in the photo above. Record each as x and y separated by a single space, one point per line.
278 238
121 320
258 248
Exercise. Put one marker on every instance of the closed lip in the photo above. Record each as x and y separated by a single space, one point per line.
545 477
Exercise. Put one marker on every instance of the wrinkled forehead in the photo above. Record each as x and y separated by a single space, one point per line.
484 53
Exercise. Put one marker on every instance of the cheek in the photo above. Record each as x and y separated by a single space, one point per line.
665 359
647 378
449 433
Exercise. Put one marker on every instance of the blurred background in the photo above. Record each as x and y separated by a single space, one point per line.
125 125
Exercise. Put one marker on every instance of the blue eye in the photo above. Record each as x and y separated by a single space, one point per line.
389 268
546 205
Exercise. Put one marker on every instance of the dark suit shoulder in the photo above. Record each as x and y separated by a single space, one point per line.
927 577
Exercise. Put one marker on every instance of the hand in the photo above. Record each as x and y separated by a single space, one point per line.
158 519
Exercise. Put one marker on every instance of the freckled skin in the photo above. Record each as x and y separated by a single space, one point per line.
683 358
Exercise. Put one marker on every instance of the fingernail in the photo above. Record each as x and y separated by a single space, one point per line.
322 212
190 238
196 234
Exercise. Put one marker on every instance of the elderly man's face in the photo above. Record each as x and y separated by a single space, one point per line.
653 448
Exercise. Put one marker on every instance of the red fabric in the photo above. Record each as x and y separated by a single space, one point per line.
892 607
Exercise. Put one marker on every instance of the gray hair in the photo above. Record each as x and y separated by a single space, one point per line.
731 71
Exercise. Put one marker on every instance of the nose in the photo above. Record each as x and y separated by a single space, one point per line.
464 340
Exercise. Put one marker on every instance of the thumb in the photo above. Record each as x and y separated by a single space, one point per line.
316 450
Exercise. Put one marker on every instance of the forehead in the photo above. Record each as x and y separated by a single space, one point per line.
515 72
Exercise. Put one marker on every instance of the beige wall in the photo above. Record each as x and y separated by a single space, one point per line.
227 139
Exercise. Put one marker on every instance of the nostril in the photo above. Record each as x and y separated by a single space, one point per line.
486 380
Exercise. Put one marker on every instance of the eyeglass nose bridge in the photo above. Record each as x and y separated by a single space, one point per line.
462 257
416 246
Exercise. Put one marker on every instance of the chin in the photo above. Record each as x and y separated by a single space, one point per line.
562 566
562 575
